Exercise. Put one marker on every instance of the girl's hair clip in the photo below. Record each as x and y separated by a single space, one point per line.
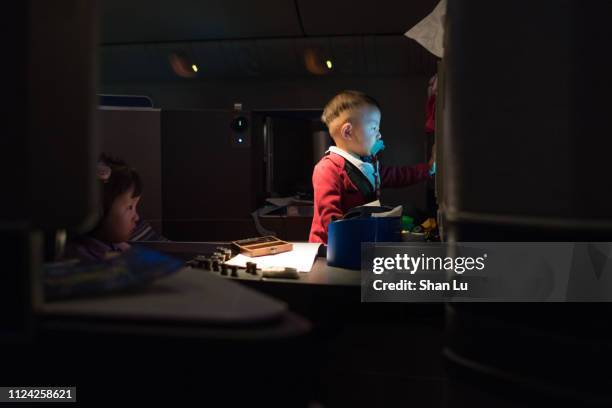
103 172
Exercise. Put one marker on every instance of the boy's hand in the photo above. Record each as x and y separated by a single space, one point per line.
432 159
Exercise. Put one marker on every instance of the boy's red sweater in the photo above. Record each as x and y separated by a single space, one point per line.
335 193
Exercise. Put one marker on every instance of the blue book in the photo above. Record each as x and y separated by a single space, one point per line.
133 269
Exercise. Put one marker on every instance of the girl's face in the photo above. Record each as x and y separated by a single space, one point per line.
118 225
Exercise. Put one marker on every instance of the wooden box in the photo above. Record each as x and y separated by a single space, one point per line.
262 246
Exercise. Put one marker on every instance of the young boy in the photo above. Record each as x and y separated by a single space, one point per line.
347 177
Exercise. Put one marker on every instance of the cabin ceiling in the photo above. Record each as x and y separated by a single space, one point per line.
263 38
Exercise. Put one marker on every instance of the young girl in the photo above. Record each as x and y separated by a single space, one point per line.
121 190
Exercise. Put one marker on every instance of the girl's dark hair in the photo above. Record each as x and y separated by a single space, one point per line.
122 178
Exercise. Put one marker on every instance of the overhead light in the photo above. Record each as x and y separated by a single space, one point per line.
329 64
314 63
181 65
194 67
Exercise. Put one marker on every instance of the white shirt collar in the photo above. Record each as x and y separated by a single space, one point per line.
366 168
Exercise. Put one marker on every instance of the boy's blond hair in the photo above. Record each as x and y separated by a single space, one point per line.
346 101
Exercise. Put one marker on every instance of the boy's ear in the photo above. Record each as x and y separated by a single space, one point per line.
346 130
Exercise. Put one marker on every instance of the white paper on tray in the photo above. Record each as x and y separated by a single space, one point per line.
301 258
375 203
395 212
